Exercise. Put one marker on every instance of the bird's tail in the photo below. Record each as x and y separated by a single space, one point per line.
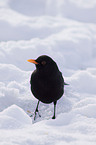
65 83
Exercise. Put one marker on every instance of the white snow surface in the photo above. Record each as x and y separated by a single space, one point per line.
66 31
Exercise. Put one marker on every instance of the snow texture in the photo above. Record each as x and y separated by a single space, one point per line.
66 31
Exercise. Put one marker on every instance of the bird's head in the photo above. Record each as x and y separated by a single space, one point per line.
44 64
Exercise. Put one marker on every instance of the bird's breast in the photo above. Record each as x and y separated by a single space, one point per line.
46 89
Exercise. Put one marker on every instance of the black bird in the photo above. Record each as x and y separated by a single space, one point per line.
47 83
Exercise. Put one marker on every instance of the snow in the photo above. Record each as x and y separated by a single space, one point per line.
66 31
13 117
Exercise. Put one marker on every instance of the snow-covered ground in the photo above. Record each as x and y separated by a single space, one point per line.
66 31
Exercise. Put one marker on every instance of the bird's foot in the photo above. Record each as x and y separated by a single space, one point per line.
35 114
53 117
31 115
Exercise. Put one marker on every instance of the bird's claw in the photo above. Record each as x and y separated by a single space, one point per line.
36 114
53 117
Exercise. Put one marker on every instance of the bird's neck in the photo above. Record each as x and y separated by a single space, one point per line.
47 74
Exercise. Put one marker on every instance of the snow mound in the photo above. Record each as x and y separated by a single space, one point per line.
14 117
88 110
84 81
67 8
12 73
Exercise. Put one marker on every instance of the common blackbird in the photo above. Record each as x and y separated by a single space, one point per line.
47 83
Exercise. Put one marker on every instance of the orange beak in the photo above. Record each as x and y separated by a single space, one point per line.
32 61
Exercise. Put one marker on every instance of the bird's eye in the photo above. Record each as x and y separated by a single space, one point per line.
43 62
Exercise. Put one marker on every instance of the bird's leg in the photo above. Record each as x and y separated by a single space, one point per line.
37 111
54 116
